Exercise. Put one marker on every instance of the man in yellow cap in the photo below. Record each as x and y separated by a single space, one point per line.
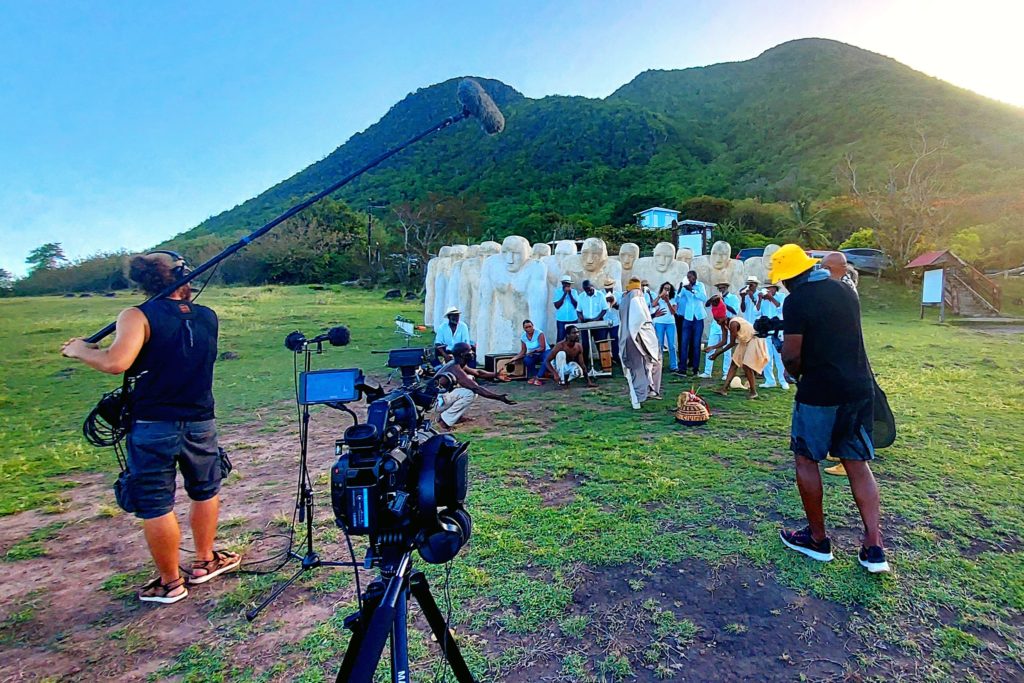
824 350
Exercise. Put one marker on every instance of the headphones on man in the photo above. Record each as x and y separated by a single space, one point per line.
181 269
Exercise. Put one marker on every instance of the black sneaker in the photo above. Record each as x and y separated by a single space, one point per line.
802 542
873 559
679 373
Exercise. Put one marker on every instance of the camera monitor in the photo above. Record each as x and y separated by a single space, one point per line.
330 386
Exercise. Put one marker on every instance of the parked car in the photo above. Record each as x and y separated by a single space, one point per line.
749 252
867 260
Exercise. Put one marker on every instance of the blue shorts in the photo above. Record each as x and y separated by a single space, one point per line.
843 430
154 451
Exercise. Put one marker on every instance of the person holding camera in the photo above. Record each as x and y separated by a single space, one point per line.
566 301
453 404
168 346
834 408
749 300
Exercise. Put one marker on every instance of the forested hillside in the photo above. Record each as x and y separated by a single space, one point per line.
773 127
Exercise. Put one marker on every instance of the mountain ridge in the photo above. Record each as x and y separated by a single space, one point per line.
774 124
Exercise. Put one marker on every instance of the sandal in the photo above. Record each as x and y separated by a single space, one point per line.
223 561
154 591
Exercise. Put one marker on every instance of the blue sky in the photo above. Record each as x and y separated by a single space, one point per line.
124 123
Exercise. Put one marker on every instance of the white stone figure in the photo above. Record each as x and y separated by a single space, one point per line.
628 255
541 250
444 254
719 266
452 294
684 255
456 253
592 263
469 284
555 265
661 267
513 288
758 266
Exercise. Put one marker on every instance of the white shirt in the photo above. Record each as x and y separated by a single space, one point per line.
612 315
666 318
450 339
750 312
771 310
591 305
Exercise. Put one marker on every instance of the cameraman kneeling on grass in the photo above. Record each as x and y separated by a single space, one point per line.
169 346
454 403
824 350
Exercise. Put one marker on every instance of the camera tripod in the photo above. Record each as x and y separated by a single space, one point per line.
304 504
384 613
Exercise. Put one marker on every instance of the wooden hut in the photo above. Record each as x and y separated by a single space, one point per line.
966 290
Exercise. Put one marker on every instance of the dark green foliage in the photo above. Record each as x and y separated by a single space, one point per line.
99 273
704 208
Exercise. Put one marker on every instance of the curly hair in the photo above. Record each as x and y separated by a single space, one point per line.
152 272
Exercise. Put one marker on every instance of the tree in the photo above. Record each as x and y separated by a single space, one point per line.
805 228
437 220
861 239
46 257
705 208
6 282
911 207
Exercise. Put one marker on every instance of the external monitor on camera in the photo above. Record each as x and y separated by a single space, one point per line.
330 386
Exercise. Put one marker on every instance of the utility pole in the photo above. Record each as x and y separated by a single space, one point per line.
369 228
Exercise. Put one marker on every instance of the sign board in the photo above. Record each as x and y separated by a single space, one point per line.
931 289
694 241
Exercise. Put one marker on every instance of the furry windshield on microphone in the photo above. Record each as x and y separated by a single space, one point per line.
476 102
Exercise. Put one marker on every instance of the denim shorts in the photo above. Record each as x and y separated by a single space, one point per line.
154 451
843 430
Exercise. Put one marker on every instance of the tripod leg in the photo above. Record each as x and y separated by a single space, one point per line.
450 649
400 639
361 662
254 612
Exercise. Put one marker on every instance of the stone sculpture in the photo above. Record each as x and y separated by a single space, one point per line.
592 263
457 252
444 254
628 255
541 250
758 266
513 288
555 266
719 266
661 267
468 286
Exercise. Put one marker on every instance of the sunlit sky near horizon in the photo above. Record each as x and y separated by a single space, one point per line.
124 123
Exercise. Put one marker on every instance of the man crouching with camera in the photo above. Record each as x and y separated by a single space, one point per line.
167 348
834 412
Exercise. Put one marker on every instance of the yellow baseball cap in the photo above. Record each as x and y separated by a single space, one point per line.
789 261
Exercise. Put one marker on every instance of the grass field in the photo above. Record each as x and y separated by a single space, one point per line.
608 544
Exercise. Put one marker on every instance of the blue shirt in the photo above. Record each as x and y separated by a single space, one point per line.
592 305
567 313
733 302
450 339
690 305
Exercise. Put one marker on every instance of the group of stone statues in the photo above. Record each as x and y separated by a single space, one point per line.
497 286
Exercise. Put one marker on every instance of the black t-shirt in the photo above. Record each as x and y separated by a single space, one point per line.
833 361
174 369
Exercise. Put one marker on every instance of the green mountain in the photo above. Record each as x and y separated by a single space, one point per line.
772 127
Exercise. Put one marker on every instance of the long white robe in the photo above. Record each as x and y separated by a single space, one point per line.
638 348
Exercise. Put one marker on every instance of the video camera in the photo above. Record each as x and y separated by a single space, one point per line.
396 480
765 327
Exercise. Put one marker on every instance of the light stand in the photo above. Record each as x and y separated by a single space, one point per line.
303 504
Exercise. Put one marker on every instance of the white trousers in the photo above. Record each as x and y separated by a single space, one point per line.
454 404
775 368
567 372
714 337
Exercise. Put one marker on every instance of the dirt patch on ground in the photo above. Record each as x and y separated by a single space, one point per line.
687 622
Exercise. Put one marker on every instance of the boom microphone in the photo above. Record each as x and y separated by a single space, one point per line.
478 104
475 102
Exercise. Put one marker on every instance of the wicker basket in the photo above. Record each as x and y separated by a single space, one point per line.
691 409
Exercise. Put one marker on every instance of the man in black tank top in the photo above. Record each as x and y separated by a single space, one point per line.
167 347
